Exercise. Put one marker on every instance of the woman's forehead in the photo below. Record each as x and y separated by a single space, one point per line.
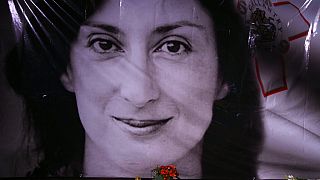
149 13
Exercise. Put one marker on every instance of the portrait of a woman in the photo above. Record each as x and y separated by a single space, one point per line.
114 88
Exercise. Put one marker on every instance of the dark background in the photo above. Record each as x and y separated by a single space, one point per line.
12 151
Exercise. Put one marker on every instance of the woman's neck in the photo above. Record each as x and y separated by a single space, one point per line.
98 164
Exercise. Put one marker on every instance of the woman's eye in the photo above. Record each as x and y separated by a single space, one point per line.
174 47
104 46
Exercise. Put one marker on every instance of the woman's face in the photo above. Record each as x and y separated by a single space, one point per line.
144 73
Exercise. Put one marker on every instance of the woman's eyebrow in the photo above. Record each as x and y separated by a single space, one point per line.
169 27
105 27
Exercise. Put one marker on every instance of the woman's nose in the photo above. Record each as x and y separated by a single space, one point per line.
139 87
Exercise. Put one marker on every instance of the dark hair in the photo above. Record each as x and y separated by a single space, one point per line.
232 142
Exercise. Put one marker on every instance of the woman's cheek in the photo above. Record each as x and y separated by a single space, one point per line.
192 82
95 84
196 75
96 75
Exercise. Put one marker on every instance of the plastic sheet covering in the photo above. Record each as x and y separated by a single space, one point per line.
285 40
220 89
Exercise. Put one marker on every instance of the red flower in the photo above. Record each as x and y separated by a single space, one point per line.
164 171
167 172
173 173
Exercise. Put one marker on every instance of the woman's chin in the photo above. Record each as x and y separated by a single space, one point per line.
150 158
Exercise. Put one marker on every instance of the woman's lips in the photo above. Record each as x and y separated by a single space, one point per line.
140 127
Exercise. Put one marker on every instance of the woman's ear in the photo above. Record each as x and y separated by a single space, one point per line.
223 91
67 80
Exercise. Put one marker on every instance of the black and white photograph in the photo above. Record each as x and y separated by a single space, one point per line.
161 89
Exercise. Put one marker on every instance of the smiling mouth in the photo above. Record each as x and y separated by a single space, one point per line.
140 127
